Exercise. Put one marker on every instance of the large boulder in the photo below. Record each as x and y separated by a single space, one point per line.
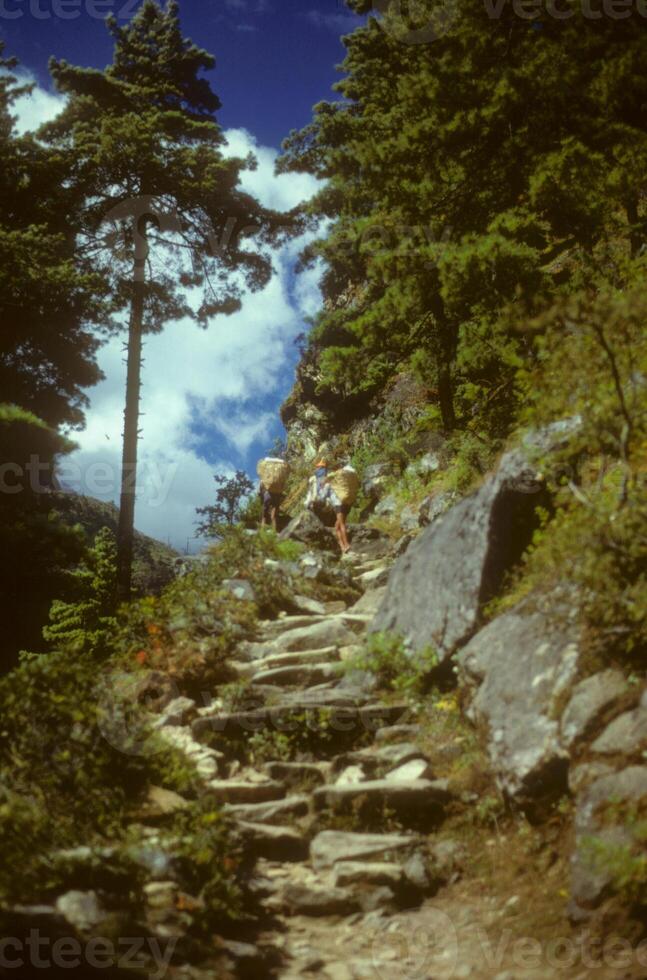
437 589
521 668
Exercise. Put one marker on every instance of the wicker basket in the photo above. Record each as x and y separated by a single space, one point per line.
273 473
345 483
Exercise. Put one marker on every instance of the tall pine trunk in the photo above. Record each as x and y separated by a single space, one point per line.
126 526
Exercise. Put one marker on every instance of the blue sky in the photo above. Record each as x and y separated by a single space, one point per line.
210 398
274 58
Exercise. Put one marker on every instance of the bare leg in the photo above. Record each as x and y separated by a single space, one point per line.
342 536
275 512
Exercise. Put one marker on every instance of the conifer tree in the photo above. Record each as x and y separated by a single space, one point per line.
82 622
144 147
469 180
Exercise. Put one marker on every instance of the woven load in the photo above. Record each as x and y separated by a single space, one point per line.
345 483
274 474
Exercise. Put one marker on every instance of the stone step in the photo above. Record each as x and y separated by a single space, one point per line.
240 791
373 578
414 802
346 716
298 675
323 654
274 627
297 773
274 811
378 757
207 761
330 847
328 632
274 843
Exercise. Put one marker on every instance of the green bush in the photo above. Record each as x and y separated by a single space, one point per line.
394 667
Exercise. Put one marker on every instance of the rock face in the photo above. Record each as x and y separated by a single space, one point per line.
592 698
437 589
597 835
522 666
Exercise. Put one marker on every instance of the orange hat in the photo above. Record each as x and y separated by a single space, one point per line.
321 462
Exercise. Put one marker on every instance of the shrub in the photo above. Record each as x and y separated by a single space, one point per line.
396 669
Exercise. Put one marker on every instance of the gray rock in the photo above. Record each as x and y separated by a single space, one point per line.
179 711
81 909
376 476
579 777
524 663
370 601
350 776
411 770
374 578
162 802
274 843
435 506
157 862
590 700
240 588
275 811
307 605
303 675
387 507
368 873
448 856
381 897
416 872
437 589
626 735
409 518
310 530
414 802
236 791
368 542
591 881
303 899
296 773
328 632
330 847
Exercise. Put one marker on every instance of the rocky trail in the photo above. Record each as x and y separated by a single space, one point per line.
352 878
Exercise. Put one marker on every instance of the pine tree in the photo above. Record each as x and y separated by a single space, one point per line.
469 180
48 299
143 145
82 623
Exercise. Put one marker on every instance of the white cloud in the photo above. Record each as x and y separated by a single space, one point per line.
195 381
35 109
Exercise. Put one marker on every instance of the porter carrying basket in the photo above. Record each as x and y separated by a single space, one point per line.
273 473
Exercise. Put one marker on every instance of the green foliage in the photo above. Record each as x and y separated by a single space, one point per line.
499 194
85 623
625 863
231 504
394 667
41 546
191 630
211 862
